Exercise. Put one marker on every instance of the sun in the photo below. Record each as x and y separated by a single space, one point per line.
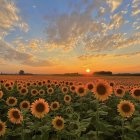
88 70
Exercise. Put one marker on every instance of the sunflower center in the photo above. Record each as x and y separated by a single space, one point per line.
34 92
111 84
23 90
25 105
54 105
81 90
28 84
40 107
119 91
41 92
16 115
101 89
39 83
50 90
64 89
71 83
7 85
126 108
59 122
73 88
67 98
11 101
90 86
137 92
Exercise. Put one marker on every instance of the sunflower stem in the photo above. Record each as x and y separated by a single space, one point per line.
97 119
122 128
22 131
58 135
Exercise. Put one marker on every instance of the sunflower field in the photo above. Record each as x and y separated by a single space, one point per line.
68 110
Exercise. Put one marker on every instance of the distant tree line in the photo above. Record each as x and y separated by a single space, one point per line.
108 73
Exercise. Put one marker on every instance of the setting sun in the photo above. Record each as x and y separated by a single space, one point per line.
87 70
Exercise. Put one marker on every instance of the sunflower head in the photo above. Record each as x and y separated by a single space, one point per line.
50 90
11 101
58 123
40 83
72 88
102 90
41 92
64 89
126 108
54 105
23 91
34 92
25 105
112 84
67 98
15 116
120 92
9 88
39 108
2 128
81 90
90 86
135 93
7 84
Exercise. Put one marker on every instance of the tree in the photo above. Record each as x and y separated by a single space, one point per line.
21 72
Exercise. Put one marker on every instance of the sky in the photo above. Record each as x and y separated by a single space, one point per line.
62 36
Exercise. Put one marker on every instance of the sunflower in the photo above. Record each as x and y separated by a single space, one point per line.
23 91
102 90
7 84
112 84
64 89
120 92
67 98
50 90
15 115
39 108
135 93
90 86
72 88
9 88
25 105
71 83
48 85
58 123
1 94
126 108
11 101
2 128
41 92
34 92
28 84
54 105
40 83
81 90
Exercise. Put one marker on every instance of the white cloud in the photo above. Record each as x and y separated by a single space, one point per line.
8 53
114 4
10 18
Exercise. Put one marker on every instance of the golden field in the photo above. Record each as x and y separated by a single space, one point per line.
69 108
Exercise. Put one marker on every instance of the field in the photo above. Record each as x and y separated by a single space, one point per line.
69 108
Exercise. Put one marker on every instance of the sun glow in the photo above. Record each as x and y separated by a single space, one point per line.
88 70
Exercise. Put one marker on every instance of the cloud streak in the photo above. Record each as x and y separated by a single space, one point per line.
92 56
9 54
